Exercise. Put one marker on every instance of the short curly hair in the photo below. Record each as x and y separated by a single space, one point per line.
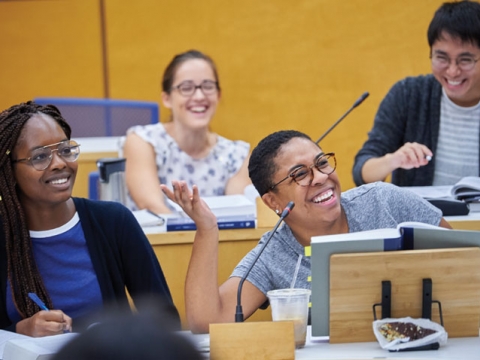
261 166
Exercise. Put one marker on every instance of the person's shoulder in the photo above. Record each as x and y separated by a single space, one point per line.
363 189
418 82
224 143
147 130
413 91
223 140
378 188
156 135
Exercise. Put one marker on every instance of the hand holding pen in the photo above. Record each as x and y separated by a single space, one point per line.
411 155
45 322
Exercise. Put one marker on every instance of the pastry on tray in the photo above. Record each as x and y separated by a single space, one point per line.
403 333
403 330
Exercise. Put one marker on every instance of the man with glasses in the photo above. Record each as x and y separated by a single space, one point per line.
426 130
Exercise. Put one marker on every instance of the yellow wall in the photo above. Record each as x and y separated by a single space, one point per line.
283 64
49 48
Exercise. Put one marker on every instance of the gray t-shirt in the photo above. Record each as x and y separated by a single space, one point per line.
368 207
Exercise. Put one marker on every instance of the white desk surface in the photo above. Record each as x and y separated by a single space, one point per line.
319 348
98 144
457 348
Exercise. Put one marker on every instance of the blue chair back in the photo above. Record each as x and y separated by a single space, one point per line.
93 182
103 117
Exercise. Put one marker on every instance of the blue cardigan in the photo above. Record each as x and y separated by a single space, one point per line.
122 258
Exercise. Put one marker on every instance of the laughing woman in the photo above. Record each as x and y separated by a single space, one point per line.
77 255
184 148
286 166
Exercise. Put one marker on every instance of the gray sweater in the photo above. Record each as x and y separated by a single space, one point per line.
373 206
409 113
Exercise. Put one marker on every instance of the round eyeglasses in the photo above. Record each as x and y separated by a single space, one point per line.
41 157
303 175
442 62
188 88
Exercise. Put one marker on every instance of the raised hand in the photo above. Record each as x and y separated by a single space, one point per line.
191 203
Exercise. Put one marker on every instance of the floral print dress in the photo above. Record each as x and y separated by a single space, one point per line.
210 173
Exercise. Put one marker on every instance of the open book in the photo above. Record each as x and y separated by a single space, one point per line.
458 199
15 346
467 188
407 236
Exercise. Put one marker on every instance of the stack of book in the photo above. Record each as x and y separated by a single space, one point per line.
232 212
147 218
466 193
468 190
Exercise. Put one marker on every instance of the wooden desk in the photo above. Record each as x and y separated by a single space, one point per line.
467 222
173 251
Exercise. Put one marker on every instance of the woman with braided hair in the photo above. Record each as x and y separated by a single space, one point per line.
77 255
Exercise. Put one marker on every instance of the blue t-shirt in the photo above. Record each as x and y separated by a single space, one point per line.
66 268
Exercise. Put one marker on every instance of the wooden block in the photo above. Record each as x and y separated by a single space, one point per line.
355 285
254 340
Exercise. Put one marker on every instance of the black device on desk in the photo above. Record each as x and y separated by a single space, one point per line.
450 207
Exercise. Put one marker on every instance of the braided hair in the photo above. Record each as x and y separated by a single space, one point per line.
22 271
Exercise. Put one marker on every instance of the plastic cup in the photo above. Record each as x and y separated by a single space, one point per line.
291 304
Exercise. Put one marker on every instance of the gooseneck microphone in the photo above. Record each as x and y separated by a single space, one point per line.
358 102
239 311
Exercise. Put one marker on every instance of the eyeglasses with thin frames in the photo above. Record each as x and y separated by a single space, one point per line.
303 175
41 158
188 88
442 62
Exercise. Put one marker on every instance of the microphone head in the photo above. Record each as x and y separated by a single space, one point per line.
287 209
361 98
358 102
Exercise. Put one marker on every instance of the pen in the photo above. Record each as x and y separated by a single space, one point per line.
161 219
38 301
41 305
